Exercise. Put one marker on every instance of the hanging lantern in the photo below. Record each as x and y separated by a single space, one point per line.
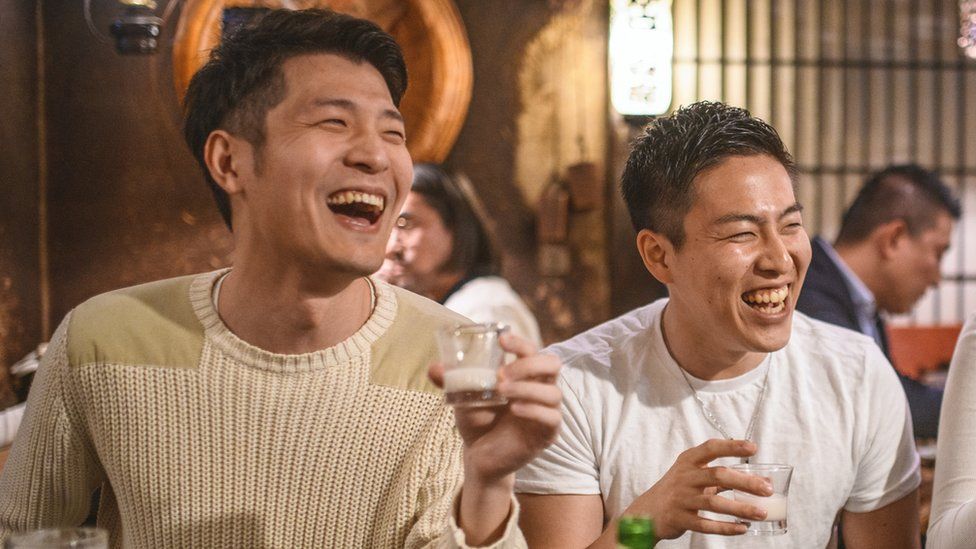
641 49
967 27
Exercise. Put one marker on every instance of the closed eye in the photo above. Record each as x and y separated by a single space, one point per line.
742 237
396 136
792 228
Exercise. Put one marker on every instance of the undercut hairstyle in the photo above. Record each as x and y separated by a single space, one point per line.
658 179
906 192
473 252
244 79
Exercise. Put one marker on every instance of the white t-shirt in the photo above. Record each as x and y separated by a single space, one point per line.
953 523
492 299
833 409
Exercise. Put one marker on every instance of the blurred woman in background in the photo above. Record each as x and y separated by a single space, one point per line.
441 248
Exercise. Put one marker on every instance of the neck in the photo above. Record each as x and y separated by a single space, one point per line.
862 260
698 352
440 284
290 312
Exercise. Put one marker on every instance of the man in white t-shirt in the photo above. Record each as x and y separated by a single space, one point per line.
659 400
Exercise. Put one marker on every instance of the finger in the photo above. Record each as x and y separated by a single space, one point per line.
546 417
730 479
539 367
719 527
531 391
726 506
436 374
516 345
712 449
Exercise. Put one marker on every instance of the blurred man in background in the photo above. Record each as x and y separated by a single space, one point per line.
891 242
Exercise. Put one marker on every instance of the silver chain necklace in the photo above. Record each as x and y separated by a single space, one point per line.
714 421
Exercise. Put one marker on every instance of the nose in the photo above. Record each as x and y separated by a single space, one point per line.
367 152
775 257
394 248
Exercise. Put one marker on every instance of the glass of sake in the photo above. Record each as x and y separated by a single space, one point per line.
779 477
471 355
59 538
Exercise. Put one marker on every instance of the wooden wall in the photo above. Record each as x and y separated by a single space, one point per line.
20 296
126 201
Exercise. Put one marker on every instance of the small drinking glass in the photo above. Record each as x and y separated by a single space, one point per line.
59 538
779 477
471 355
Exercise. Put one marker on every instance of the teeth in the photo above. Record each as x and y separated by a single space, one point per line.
352 197
775 297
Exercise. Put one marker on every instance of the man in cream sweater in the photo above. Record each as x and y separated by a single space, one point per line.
285 402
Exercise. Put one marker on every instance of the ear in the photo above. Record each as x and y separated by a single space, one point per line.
224 155
890 236
656 251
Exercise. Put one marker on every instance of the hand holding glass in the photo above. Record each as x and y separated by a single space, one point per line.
779 477
471 355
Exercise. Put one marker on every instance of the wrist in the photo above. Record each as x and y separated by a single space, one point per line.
488 482
489 478
485 506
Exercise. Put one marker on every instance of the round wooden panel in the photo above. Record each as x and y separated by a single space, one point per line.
435 47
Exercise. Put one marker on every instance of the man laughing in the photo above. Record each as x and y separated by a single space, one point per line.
660 400
284 402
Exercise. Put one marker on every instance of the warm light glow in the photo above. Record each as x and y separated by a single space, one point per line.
967 27
151 4
641 48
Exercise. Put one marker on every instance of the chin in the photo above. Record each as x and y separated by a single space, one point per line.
357 268
771 341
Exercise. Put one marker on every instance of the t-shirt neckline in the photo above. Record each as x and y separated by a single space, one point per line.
702 385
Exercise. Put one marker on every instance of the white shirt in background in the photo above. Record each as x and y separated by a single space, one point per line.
833 409
10 423
953 523
492 299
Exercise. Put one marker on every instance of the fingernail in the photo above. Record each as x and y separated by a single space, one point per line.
768 488
758 514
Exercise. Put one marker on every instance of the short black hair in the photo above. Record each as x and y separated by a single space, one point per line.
908 192
473 253
243 79
670 153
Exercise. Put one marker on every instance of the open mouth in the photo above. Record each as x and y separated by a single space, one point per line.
361 207
767 300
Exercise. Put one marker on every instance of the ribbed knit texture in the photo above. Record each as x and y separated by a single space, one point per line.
246 448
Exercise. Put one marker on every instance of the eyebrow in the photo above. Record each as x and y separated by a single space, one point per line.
350 106
755 219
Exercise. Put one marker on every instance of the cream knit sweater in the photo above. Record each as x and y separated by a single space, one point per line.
199 439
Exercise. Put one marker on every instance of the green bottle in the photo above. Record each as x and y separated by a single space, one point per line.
635 533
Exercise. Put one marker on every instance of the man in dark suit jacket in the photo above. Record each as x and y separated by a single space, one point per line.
887 254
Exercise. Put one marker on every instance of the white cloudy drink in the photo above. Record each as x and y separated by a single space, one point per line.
779 477
471 355
774 505
470 386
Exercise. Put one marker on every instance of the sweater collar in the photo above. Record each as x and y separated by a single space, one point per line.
353 347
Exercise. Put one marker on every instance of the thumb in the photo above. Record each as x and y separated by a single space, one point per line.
436 374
